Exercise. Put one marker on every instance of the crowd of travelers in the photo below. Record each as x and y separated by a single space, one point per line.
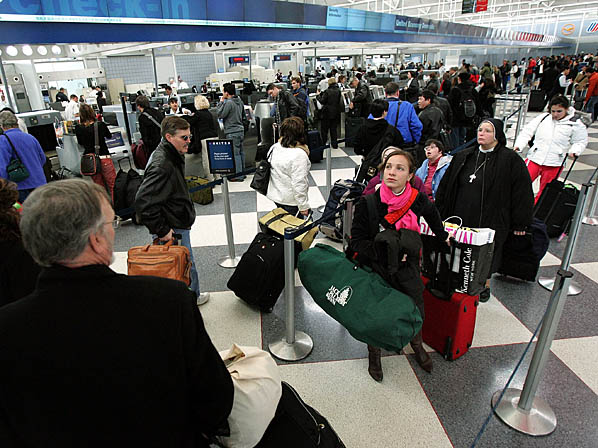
82 344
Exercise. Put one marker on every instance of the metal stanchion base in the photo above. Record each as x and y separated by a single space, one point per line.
302 347
228 262
538 421
590 221
548 283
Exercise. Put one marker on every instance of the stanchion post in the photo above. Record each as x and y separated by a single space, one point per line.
230 261
522 410
591 219
328 176
518 123
294 345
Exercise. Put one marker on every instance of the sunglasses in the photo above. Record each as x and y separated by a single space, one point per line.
185 137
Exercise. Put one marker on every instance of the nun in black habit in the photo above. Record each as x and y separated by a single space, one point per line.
488 185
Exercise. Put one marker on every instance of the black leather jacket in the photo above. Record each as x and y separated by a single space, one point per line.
362 100
162 202
287 106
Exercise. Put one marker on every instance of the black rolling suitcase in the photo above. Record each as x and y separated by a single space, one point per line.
298 425
556 205
259 277
352 126
537 101
341 192
521 255
316 148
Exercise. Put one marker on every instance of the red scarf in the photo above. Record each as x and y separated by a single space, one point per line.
399 207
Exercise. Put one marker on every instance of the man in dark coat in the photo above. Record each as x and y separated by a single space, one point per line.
463 124
330 99
361 99
162 202
549 80
488 185
99 359
149 123
286 104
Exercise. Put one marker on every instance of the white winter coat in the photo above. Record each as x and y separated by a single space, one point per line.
289 171
554 139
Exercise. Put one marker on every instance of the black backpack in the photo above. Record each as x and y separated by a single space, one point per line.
467 103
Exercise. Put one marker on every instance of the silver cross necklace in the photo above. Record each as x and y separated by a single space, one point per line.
473 176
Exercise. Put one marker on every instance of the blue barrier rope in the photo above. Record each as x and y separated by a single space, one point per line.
462 147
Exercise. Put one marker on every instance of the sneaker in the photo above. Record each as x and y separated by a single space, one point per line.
203 298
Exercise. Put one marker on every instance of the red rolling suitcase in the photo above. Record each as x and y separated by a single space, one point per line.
449 324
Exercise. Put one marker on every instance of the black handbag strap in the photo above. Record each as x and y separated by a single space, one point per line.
13 147
96 136
152 119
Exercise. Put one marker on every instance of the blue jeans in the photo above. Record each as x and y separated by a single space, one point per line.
459 135
590 107
186 241
237 139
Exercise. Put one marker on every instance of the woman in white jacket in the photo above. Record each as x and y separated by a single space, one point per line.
555 135
289 168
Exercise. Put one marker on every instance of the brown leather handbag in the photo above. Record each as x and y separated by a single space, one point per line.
168 261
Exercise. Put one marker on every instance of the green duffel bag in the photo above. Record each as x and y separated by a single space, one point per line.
203 196
359 299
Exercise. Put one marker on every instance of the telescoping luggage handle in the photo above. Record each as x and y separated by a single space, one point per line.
543 198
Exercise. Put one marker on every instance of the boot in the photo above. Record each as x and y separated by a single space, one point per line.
421 356
375 363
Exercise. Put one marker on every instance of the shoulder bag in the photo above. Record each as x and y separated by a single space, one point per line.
152 119
90 163
261 178
16 169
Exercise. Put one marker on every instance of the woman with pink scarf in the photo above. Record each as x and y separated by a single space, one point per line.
398 208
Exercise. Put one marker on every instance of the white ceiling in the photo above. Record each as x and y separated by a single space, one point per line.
500 12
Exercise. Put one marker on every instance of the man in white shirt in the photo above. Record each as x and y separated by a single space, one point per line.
514 75
182 84
71 110
175 109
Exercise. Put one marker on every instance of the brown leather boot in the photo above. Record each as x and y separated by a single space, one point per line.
375 363
421 356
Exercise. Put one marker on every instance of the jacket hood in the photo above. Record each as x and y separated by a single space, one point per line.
376 126
499 132
238 100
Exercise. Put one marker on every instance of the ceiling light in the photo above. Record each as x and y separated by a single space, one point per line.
27 50
56 49
187 46
42 50
12 51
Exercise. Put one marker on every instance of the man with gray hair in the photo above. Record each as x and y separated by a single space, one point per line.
94 358
16 145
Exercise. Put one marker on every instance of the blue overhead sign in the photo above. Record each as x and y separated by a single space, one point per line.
257 13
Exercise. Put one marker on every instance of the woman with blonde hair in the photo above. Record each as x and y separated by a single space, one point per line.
202 124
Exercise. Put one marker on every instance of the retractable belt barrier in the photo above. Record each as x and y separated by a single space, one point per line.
130 210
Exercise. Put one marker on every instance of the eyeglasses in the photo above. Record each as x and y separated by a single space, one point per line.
115 222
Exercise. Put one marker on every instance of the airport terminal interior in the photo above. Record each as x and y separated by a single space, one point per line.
195 48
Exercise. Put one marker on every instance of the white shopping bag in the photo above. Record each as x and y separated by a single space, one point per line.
258 389
475 237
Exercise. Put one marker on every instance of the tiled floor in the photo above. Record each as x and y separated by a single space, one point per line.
412 408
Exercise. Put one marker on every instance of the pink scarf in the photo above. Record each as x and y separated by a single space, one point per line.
398 204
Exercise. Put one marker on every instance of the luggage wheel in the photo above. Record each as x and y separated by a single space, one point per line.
447 350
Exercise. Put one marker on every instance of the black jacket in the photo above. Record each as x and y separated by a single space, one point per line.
454 99
111 360
508 195
287 106
550 78
61 97
150 131
445 107
363 233
412 92
203 126
18 272
371 132
331 103
362 100
432 120
162 202
487 100
86 137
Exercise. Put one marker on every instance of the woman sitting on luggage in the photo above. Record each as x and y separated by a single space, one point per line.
398 208
487 185
289 168
86 137
555 135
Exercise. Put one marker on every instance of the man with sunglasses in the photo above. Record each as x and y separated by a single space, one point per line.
162 203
